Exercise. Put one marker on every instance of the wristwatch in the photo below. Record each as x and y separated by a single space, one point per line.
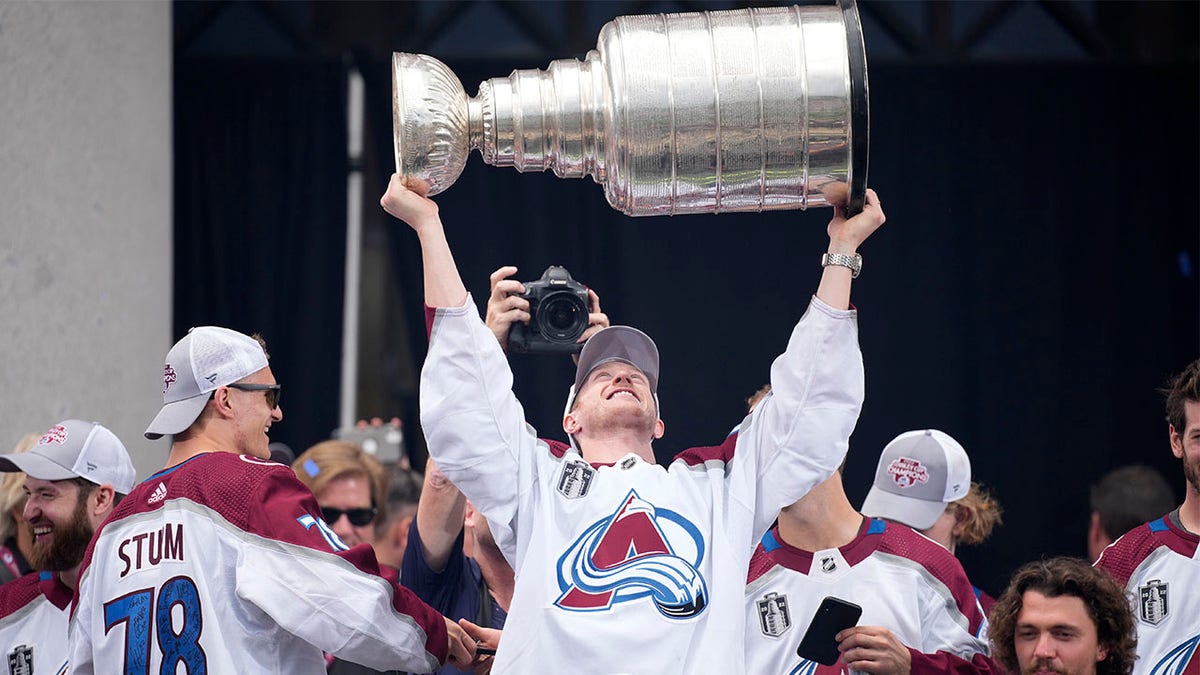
854 262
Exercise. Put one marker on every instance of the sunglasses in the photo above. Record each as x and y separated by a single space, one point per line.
271 391
358 517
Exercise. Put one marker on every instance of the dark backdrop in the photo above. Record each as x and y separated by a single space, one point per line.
260 217
1032 288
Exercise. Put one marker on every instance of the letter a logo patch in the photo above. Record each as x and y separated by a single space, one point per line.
638 554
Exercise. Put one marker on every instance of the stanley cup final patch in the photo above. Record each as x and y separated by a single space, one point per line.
773 615
1153 607
576 478
20 660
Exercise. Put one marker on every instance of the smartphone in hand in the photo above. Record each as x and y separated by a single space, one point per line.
833 616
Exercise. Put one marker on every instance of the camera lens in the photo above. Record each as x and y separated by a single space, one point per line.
562 317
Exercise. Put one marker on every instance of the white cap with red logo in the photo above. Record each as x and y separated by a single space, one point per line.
919 474
206 358
76 449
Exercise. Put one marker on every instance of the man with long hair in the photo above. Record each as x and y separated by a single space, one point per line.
1062 615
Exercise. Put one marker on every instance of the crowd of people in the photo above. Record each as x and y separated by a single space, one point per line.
515 553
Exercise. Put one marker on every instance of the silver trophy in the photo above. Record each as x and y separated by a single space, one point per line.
740 110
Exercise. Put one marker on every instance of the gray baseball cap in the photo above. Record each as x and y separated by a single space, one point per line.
919 474
206 358
76 449
619 343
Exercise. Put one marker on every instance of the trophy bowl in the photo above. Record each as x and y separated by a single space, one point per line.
429 119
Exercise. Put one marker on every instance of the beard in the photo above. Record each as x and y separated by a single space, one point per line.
1191 471
69 543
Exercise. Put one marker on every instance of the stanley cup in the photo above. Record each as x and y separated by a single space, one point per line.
740 110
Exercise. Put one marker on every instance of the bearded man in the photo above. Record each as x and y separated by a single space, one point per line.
74 477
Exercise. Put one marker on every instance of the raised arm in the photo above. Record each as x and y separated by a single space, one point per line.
443 285
845 236
439 517
799 433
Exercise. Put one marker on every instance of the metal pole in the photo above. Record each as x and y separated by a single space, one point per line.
347 412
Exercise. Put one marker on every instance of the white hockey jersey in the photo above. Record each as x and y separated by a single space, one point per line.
903 581
33 624
222 564
1159 565
633 567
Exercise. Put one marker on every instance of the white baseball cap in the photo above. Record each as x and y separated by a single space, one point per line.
919 474
76 449
206 358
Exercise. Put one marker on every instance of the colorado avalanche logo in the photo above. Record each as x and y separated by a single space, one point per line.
1182 660
806 667
627 557
907 472
56 434
169 377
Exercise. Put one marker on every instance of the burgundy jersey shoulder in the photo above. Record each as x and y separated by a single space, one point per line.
557 448
255 495
903 541
1129 551
224 482
18 593
721 453
772 551
238 487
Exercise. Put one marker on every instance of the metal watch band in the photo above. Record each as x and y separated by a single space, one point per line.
854 262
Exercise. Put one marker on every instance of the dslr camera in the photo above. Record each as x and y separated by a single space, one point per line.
558 315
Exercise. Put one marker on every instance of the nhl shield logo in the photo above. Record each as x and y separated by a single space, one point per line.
1153 607
20 660
576 478
773 615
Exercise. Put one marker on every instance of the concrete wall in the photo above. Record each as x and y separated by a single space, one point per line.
85 217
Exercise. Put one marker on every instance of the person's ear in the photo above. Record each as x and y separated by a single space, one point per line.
400 530
571 424
960 520
1176 441
659 429
222 402
102 501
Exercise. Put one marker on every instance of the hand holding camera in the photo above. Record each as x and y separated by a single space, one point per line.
553 315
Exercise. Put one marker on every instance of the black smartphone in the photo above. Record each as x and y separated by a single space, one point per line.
832 617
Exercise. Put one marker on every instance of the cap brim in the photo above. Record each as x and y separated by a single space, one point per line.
35 466
619 343
176 417
916 513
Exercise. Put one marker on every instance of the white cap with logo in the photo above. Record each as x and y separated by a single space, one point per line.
919 474
76 449
206 358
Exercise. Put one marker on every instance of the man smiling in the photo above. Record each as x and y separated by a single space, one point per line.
222 563
74 477
1158 563
623 565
